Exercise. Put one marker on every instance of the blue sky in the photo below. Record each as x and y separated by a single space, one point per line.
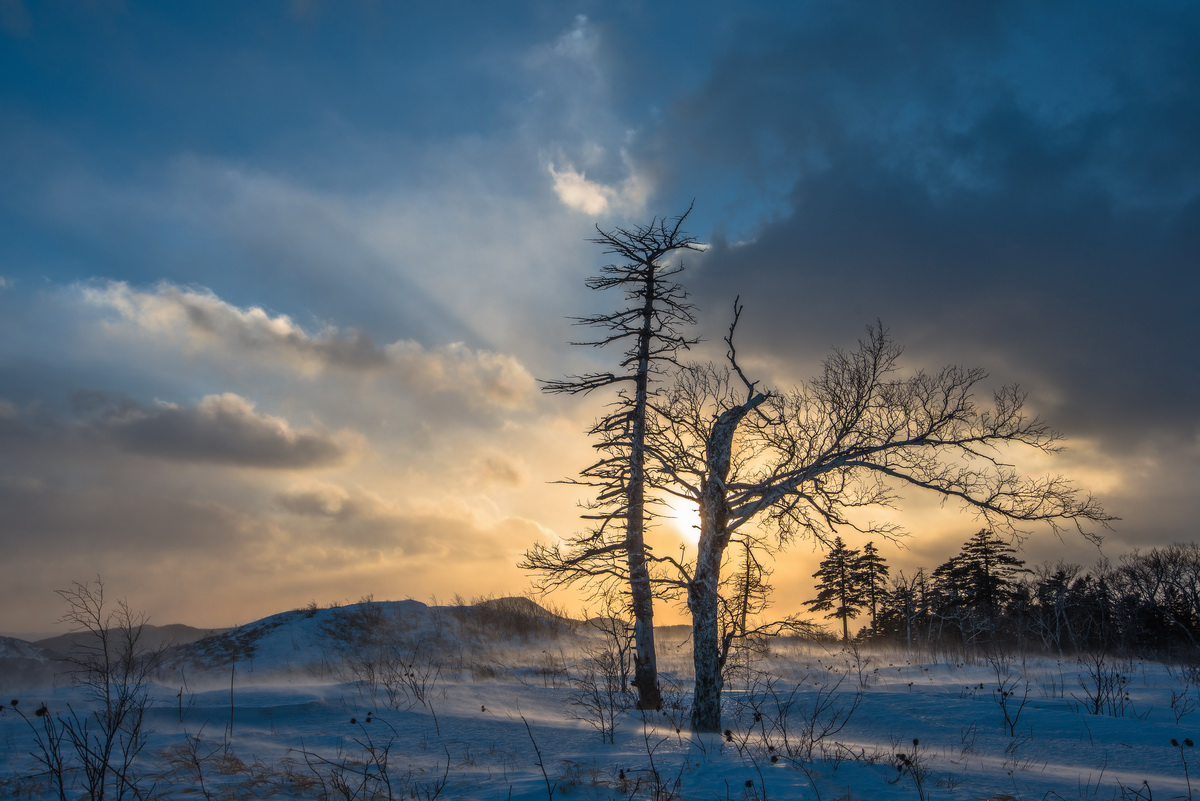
277 279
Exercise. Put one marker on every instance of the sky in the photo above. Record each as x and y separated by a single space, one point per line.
278 280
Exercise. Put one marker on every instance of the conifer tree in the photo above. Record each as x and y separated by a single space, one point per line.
974 586
990 570
840 587
874 572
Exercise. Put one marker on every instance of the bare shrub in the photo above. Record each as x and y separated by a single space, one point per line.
408 679
911 761
600 694
369 773
1011 692
98 747
1184 700
794 724
616 631
377 652
1105 687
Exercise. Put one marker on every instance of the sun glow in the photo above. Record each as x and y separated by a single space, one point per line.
684 518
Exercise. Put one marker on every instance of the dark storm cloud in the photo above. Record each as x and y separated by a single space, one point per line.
1015 185
222 429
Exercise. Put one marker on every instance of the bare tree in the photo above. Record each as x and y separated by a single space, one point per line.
749 587
906 607
650 326
114 667
804 460
1168 579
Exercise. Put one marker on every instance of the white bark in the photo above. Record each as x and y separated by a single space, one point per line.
703 597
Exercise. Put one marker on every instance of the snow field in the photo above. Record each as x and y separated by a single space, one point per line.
495 720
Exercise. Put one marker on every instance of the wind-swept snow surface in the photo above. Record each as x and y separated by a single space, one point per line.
407 701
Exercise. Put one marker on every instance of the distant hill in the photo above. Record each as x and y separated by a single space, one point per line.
30 665
152 637
520 605
302 641
323 642
25 666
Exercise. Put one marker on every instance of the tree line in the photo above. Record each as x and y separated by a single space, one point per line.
1147 604
764 466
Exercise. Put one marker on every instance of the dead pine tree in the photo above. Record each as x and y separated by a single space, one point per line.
650 326
801 461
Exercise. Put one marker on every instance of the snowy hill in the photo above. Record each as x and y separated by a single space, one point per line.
304 643
317 642
24 665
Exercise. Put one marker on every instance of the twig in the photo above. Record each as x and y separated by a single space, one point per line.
541 764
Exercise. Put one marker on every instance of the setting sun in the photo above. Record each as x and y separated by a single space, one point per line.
683 517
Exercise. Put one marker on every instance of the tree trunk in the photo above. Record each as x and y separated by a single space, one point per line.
703 595
645 675
645 672
703 603
645 669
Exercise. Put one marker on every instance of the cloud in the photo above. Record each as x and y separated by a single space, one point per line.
596 199
48 522
361 521
578 44
577 50
328 501
499 470
224 429
481 376
400 260
993 186
197 320
576 109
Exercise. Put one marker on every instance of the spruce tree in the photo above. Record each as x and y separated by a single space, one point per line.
990 569
840 586
874 572
976 585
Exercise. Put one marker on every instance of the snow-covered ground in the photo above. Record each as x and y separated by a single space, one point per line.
404 701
